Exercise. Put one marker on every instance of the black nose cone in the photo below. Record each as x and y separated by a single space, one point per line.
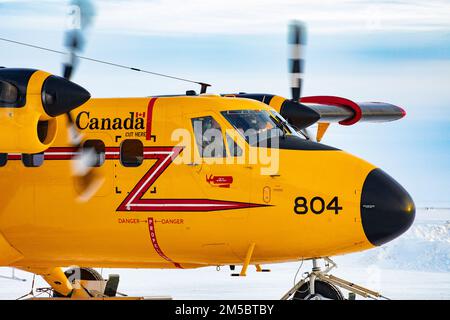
387 210
60 96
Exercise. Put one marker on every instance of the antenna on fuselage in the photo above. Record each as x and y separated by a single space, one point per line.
203 85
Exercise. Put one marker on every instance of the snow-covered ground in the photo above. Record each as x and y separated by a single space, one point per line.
415 266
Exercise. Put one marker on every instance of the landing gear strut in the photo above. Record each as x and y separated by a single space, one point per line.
320 285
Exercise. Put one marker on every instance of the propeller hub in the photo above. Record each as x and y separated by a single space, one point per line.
61 96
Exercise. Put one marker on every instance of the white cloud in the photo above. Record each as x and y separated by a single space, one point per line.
245 17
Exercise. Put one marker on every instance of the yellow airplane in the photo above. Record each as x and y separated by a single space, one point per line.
185 182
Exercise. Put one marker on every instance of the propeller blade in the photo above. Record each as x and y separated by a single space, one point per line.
80 17
87 179
297 43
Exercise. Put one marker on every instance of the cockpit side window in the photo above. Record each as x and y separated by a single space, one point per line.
208 137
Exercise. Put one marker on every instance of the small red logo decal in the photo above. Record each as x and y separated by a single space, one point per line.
220 181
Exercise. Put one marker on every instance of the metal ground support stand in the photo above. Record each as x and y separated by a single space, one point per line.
31 293
324 275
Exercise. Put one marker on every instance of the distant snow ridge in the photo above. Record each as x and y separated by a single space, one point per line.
425 247
430 232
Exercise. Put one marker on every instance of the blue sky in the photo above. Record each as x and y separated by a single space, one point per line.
392 51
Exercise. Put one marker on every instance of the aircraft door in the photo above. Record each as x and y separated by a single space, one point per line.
219 164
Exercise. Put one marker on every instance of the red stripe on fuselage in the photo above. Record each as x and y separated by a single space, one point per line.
134 201
111 153
188 205
151 105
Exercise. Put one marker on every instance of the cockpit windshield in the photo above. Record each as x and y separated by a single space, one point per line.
279 119
251 123
259 124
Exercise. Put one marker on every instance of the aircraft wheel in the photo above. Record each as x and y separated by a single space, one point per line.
88 274
323 290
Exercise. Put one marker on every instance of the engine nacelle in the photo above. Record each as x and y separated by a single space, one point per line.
327 109
30 101
347 112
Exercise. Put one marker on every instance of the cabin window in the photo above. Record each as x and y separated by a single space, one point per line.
131 153
33 160
209 137
3 159
233 147
98 147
